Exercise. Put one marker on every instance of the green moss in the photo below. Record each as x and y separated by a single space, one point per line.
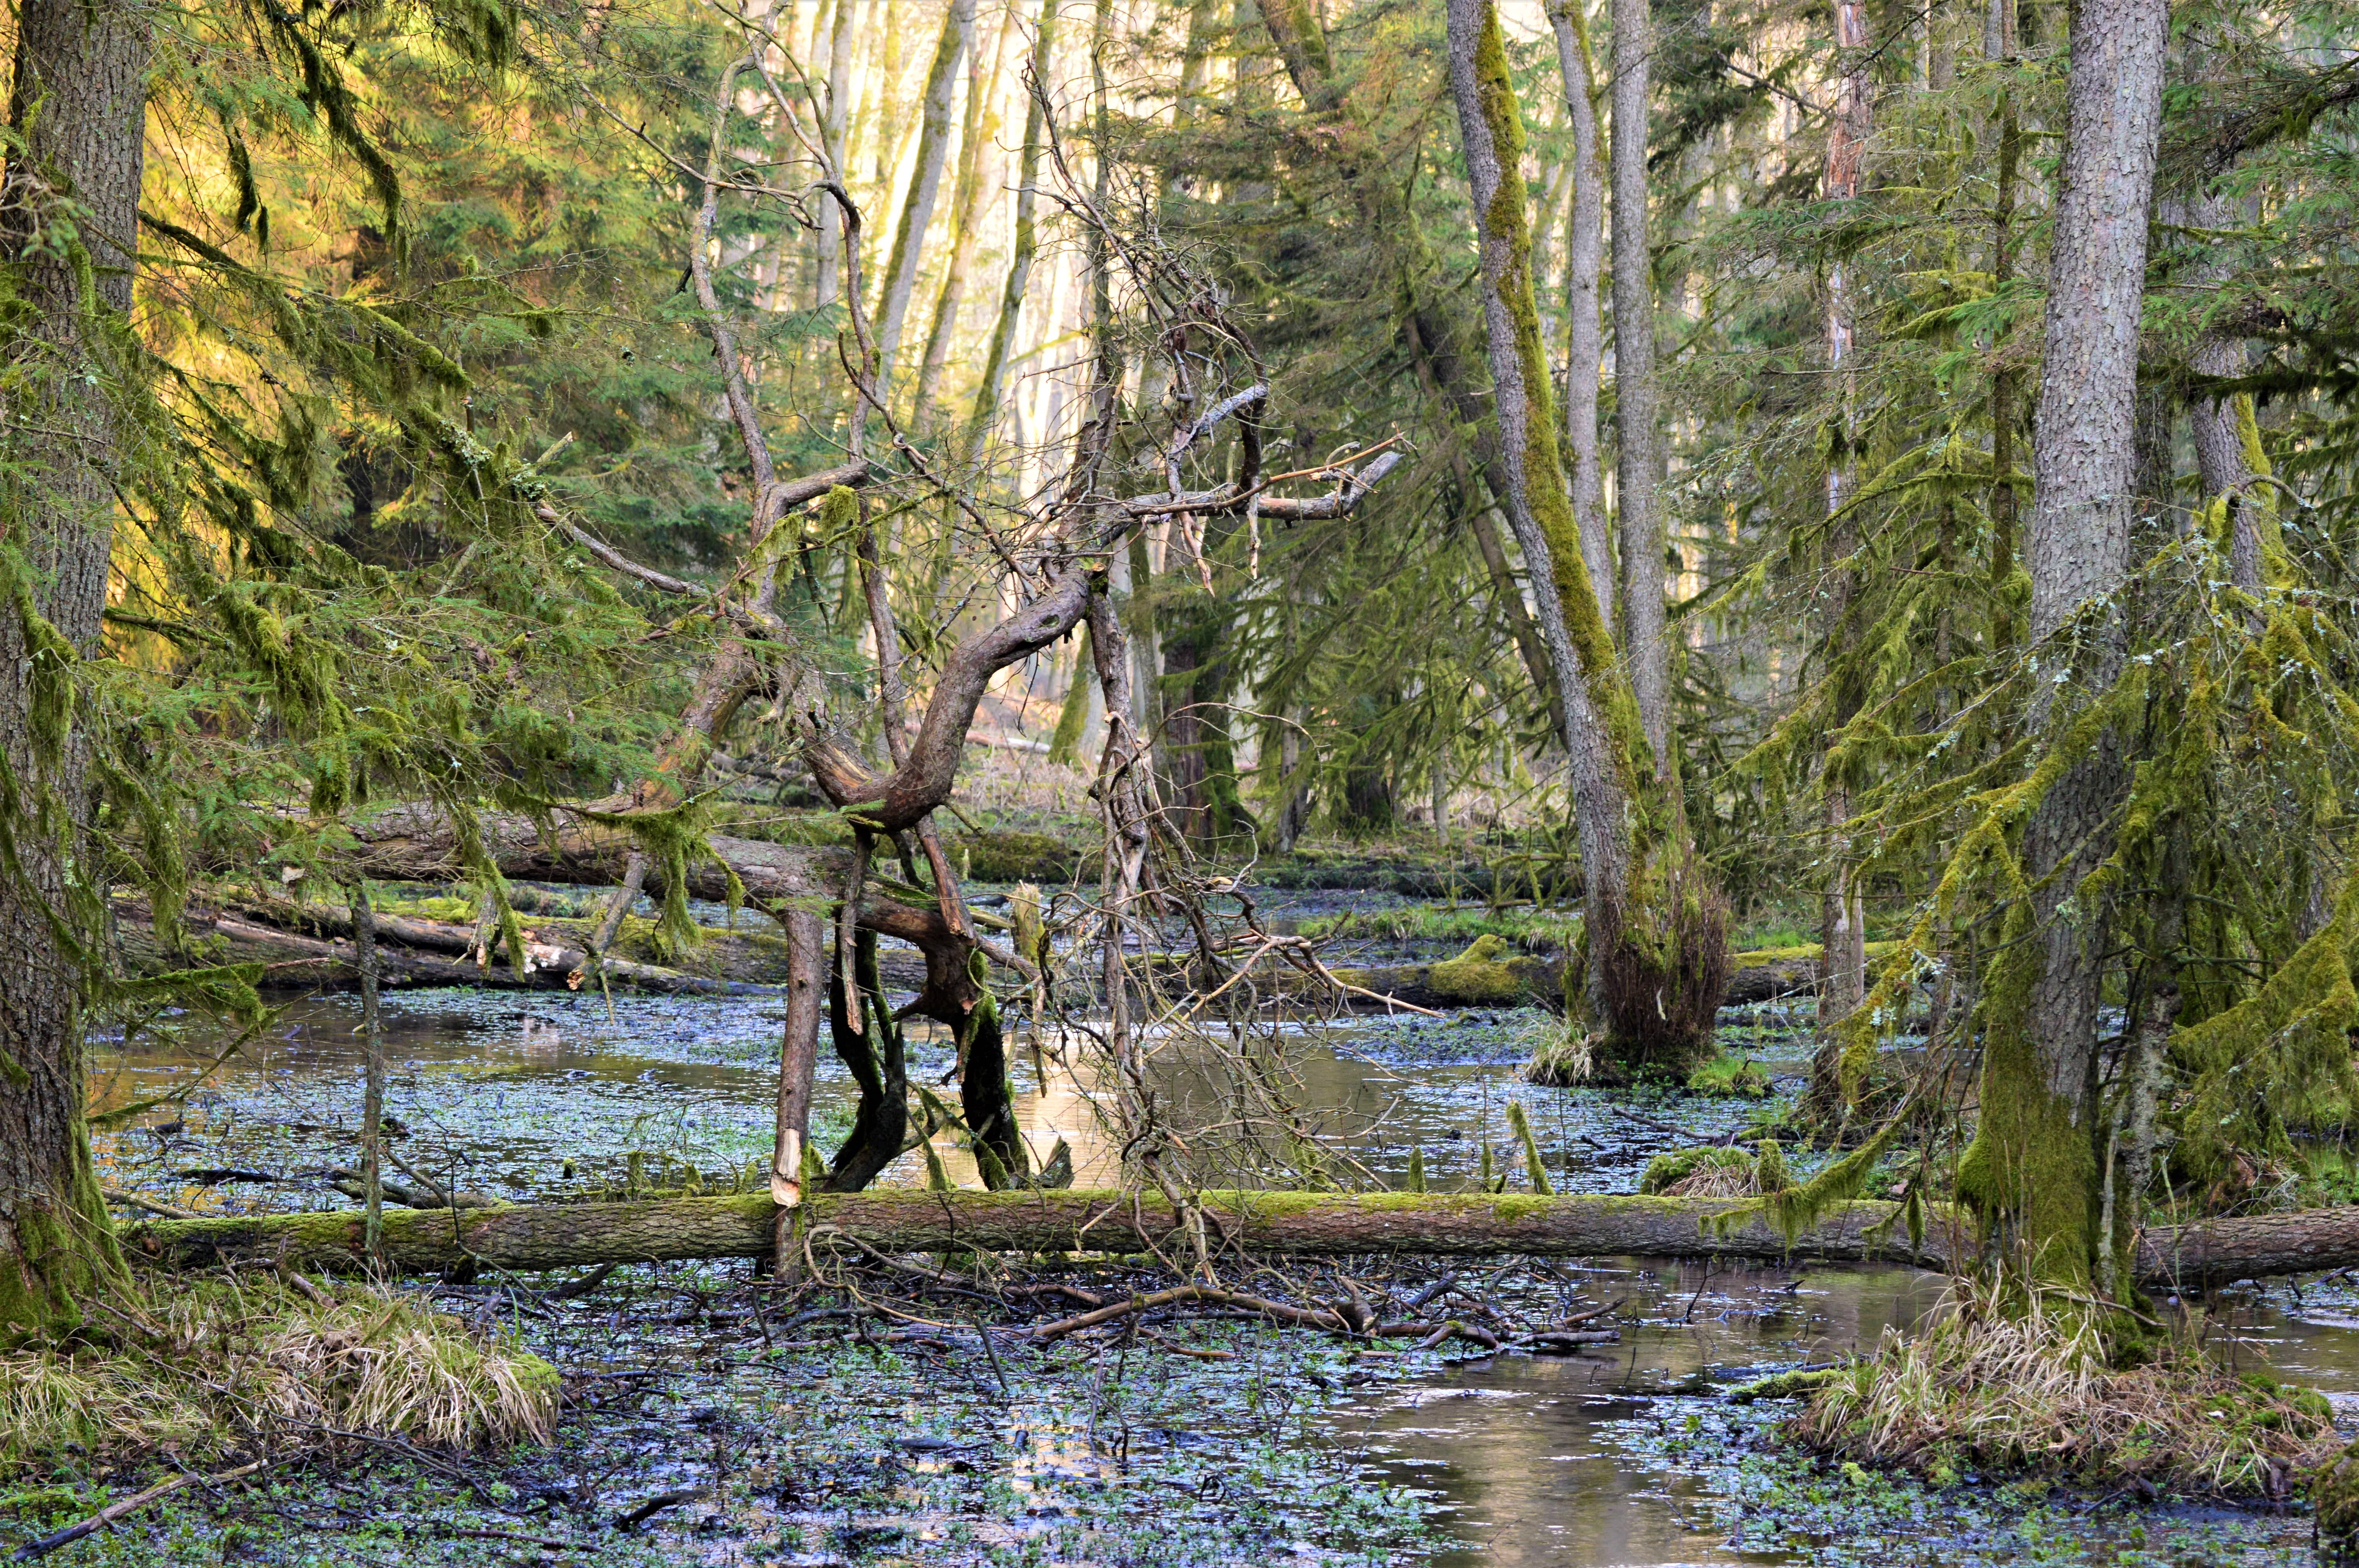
1729 1078
2029 1175
1014 857
1762 957
1668 1169
1478 975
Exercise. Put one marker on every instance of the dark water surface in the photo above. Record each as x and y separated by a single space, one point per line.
1622 1454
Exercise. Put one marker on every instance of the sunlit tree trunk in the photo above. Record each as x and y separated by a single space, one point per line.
2033 1164
834 126
1584 248
1654 928
78 108
1026 239
978 154
1842 973
1638 466
902 264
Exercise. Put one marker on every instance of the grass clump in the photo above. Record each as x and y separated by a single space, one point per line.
2006 1388
1729 1078
206 1368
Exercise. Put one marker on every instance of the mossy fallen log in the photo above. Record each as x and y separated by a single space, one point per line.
308 947
531 1236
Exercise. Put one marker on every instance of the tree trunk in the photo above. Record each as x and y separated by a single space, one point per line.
564 1235
1843 917
1638 462
1584 248
1025 240
2032 1169
78 108
1655 930
869 1041
835 124
978 171
925 186
1998 45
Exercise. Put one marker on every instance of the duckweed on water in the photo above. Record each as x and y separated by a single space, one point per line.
708 1440
1837 1514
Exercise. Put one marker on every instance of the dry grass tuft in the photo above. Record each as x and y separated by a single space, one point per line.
2031 1393
220 1365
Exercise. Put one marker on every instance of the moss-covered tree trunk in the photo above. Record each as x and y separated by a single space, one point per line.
83 65
1657 931
1638 462
2032 1170
1584 269
1843 934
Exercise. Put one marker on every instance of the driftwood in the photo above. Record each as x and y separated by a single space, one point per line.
554 1235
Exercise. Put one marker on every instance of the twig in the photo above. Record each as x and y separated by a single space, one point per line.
656 1505
112 1511
134 1200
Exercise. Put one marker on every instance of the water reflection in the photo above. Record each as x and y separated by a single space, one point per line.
1518 1448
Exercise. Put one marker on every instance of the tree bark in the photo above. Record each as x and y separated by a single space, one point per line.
1998 47
1843 917
798 1053
1655 930
1638 465
1465 1225
2033 1164
1026 239
977 171
78 108
925 188
834 124
1584 246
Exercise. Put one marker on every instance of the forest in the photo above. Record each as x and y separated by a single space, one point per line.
1311 782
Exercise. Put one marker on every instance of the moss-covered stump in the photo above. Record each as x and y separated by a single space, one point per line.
1017 857
1479 976
1708 1171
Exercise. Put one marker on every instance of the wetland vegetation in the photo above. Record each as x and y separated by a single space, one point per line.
1178 782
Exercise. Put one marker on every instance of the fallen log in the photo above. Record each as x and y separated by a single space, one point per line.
413 952
554 1235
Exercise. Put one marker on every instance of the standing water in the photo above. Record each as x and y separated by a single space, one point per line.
1623 1453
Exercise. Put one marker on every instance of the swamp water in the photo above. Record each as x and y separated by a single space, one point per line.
1218 1443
